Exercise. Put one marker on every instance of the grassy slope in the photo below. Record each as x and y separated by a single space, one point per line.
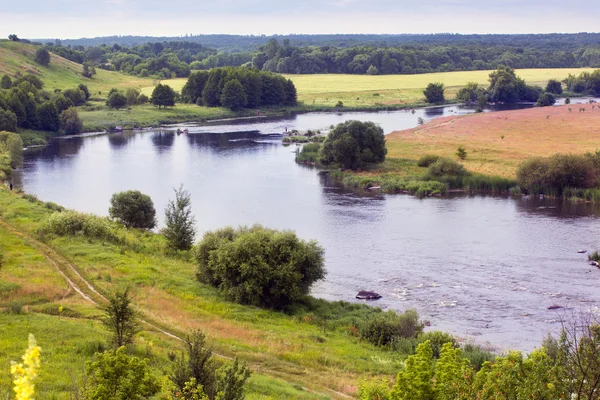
527 133
291 348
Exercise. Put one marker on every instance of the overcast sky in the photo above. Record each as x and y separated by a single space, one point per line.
88 18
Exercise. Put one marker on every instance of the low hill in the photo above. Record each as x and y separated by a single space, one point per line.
498 142
18 57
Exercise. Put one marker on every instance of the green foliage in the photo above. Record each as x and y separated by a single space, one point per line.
434 93
70 123
556 173
85 90
230 380
76 95
196 365
372 70
13 145
132 96
354 144
116 100
426 160
437 339
163 95
113 375
233 95
453 375
120 319
595 256
5 82
545 100
461 152
49 118
415 381
384 329
133 209
74 223
42 57
476 355
506 87
259 266
470 93
88 70
179 221
554 86
373 390
309 153
446 167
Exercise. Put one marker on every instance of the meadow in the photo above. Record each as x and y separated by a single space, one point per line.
306 354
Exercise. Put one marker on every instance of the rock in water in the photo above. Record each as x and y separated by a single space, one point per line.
554 307
368 295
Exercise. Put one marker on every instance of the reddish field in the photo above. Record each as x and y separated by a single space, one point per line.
497 142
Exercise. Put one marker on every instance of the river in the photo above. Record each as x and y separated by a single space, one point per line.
484 268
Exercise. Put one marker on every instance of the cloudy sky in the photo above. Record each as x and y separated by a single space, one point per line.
87 18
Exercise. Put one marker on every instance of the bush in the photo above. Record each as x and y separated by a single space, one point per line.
446 167
8 120
427 160
259 266
70 122
133 209
309 153
437 339
385 328
116 100
353 144
74 223
374 390
434 93
42 56
461 152
179 221
554 87
143 99
545 100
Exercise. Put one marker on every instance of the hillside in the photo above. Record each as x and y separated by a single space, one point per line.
18 57
497 142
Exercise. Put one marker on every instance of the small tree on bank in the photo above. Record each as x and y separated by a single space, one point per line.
353 144
116 100
163 95
554 87
70 122
179 221
434 93
120 319
133 209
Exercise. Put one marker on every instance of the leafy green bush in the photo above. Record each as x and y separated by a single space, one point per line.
427 160
384 328
133 209
437 339
446 167
74 223
477 355
259 266
309 153
374 390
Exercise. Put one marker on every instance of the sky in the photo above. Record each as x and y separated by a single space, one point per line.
89 18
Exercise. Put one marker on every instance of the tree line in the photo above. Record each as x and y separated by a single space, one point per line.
415 54
25 104
238 88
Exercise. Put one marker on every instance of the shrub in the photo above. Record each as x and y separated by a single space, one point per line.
554 87
120 319
353 144
374 390
437 339
259 266
434 93
446 167
545 100
70 122
385 328
73 223
309 153
133 209
477 355
42 56
461 152
427 160
8 120
116 100
143 99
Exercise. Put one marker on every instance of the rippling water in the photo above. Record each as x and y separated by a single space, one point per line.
485 268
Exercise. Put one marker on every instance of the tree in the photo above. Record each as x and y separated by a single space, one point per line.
196 364
76 95
70 122
14 145
372 70
453 375
88 69
120 319
8 121
354 144
415 381
259 266
113 375
554 87
13 37
461 152
5 82
470 93
48 116
179 221
133 209
231 380
504 85
434 93
163 95
545 100
132 96
42 56
233 95
85 90
116 100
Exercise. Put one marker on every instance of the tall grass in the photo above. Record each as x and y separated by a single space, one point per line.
309 153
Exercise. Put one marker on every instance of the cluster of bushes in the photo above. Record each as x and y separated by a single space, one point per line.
565 369
24 103
73 223
237 88
130 97
353 145
259 266
555 174
11 153
586 82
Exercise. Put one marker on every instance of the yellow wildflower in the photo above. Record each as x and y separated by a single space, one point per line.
24 373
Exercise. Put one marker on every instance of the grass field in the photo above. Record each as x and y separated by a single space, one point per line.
382 90
286 352
497 142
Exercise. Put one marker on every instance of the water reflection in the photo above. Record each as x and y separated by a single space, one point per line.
119 140
163 140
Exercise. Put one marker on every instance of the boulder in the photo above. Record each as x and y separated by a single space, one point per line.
368 295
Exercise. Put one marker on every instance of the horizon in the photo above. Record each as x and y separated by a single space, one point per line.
71 19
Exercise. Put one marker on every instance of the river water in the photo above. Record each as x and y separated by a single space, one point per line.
483 268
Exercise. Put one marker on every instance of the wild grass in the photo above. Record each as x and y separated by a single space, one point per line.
309 153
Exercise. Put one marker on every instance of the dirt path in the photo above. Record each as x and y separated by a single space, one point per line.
86 290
